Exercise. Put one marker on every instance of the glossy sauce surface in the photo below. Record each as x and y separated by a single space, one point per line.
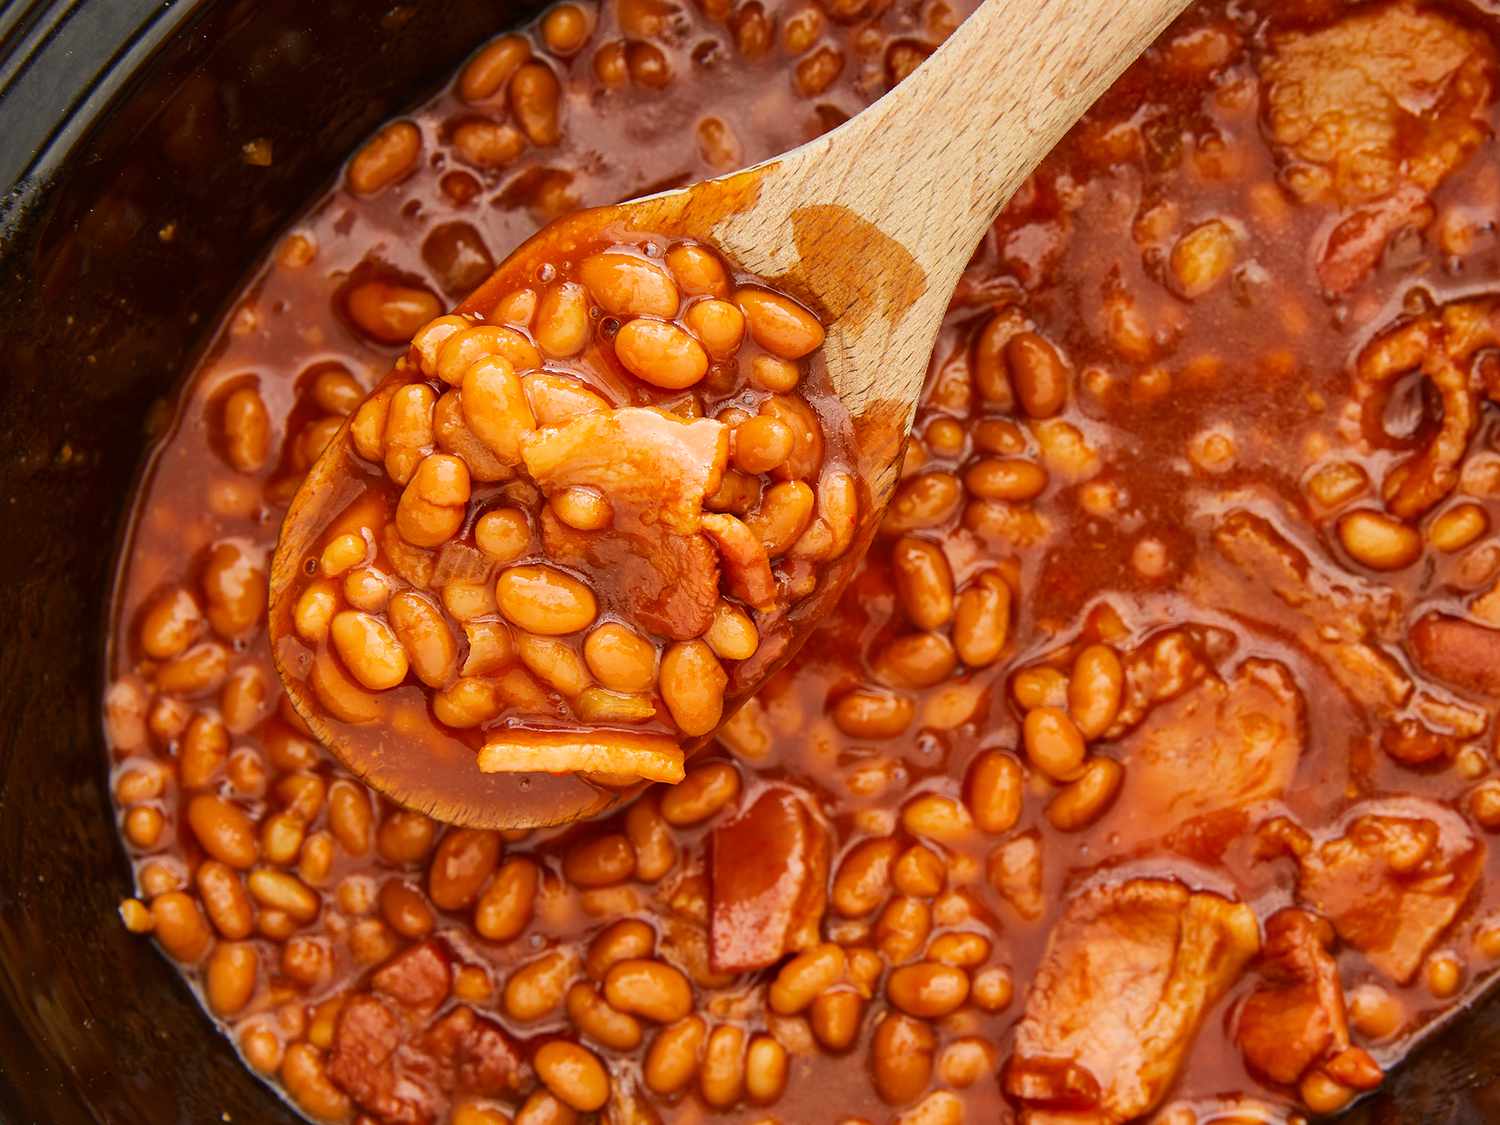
1178 643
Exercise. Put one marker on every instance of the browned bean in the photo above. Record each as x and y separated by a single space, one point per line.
573 1073
672 1059
651 989
901 1055
994 791
387 157
928 989
537 987
464 860
863 879
599 862
506 907
534 100
924 582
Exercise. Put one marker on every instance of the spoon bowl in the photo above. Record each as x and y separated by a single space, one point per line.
869 227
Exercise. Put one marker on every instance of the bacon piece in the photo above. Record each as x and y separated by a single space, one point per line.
769 875
1129 973
1295 1018
659 465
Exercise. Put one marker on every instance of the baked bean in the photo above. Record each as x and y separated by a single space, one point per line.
489 70
692 685
661 353
863 879
698 271
573 1073
1202 257
582 508
721 1076
537 988
599 862
224 829
405 910
278 890
835 1018
981 620
463 349
873 714
224 900
818 71
135 916
937 818
315 861
732 635
1374 1012
805 977
198 671
928 989
247 430
1376 540
778 324
229 981
593 1017
1010 479
626 940
901 1054
761 444
543 600
388 156
496 410
281 838
993 791
1458 527
309 1086
771 373
408 430
903 928
488 144
465 859
388 313
965 1061
504 534
919 872
962 950
704 792
766 1068
302 794
235 589
565 28
941 1107
647 65
405 837
916 660
923 501
629 285
651 989
1084 800
179 926
369 649
425 637
1054 744
784 514
534 101
718 325
1095 689
143 826
314 612
170 624
507 905
556 399
202 752
672 1059
467 702
655 847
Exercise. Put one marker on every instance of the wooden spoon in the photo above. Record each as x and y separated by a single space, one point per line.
870 226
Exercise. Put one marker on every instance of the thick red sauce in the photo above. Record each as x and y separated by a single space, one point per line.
1243 318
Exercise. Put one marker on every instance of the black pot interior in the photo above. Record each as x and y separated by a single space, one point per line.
127 237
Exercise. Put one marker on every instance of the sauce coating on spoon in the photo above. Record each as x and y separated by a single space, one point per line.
581 517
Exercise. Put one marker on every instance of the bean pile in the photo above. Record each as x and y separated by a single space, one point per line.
1163 699
584 489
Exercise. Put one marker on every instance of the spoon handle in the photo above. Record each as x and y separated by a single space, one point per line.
918 177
